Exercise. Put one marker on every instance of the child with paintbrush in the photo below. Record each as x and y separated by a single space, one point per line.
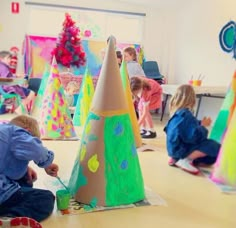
20 143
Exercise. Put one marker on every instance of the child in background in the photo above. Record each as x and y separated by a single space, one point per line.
20 144
5 72
71 89
149 93
119 57
133 67
187 142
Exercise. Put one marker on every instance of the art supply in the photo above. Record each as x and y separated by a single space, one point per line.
63 199
59 179
197 82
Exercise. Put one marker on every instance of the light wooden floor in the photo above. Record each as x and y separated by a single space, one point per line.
193 201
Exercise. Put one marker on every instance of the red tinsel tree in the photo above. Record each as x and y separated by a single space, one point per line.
68 51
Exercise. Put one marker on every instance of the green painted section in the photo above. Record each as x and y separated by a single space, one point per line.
122 169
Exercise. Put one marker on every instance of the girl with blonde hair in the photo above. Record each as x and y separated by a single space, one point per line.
186 137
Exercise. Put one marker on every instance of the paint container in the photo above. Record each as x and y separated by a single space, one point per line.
197 82
63 199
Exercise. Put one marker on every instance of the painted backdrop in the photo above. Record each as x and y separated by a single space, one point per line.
37 54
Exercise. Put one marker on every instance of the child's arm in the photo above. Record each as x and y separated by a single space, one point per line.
26 147
191 131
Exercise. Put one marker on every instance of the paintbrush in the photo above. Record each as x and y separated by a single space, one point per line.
59 179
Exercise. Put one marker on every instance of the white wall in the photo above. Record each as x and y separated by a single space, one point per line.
197 45
198 50
156 38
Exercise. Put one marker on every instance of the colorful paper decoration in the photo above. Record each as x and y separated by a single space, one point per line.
54 118
227 38
225 167
38 101
107 170
15 7
130 103
69 51
224 117
84 100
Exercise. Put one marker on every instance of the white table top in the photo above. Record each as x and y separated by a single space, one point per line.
170 89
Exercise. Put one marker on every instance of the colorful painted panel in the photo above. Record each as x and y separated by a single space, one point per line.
37 54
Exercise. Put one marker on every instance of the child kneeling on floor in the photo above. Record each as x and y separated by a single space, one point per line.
187 142
20 143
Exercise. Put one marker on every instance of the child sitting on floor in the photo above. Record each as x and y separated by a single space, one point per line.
186 137
148 92
5 72
20 144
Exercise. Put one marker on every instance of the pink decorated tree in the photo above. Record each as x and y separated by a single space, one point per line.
69 51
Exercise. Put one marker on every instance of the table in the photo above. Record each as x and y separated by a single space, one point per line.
12 81
201 91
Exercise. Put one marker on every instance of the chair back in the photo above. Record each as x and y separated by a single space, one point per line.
34 84
151 70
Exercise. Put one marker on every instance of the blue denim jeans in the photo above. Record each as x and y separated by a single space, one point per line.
29 202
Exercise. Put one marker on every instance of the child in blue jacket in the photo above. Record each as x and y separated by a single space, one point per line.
186 137
20 143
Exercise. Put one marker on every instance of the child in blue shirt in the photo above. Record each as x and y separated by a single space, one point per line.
186 137
20 143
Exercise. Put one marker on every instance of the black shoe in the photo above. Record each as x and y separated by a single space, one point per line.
143 132
149 135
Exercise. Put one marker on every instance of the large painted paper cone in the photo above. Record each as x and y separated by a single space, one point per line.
107 170
84 100
38 101
225 169
130 103
225 113
54 119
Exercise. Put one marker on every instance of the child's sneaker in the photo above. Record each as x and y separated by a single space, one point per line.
172 162
18 222
149 135
185 164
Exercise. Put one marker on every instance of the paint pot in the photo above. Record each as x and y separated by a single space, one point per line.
63 199
197 82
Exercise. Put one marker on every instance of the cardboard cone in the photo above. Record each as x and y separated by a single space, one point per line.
130 103
38 101
54 119
84 100
226 112
107 170
225 169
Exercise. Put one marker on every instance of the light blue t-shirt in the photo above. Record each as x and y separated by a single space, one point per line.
135 69
18 148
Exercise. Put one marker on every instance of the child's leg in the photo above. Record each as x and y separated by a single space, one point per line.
187 163
196 154
37 204
150 127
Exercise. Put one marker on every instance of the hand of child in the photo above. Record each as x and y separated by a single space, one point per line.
206 121
31 175
52 170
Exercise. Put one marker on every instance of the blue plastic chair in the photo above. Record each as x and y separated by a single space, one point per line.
151 70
